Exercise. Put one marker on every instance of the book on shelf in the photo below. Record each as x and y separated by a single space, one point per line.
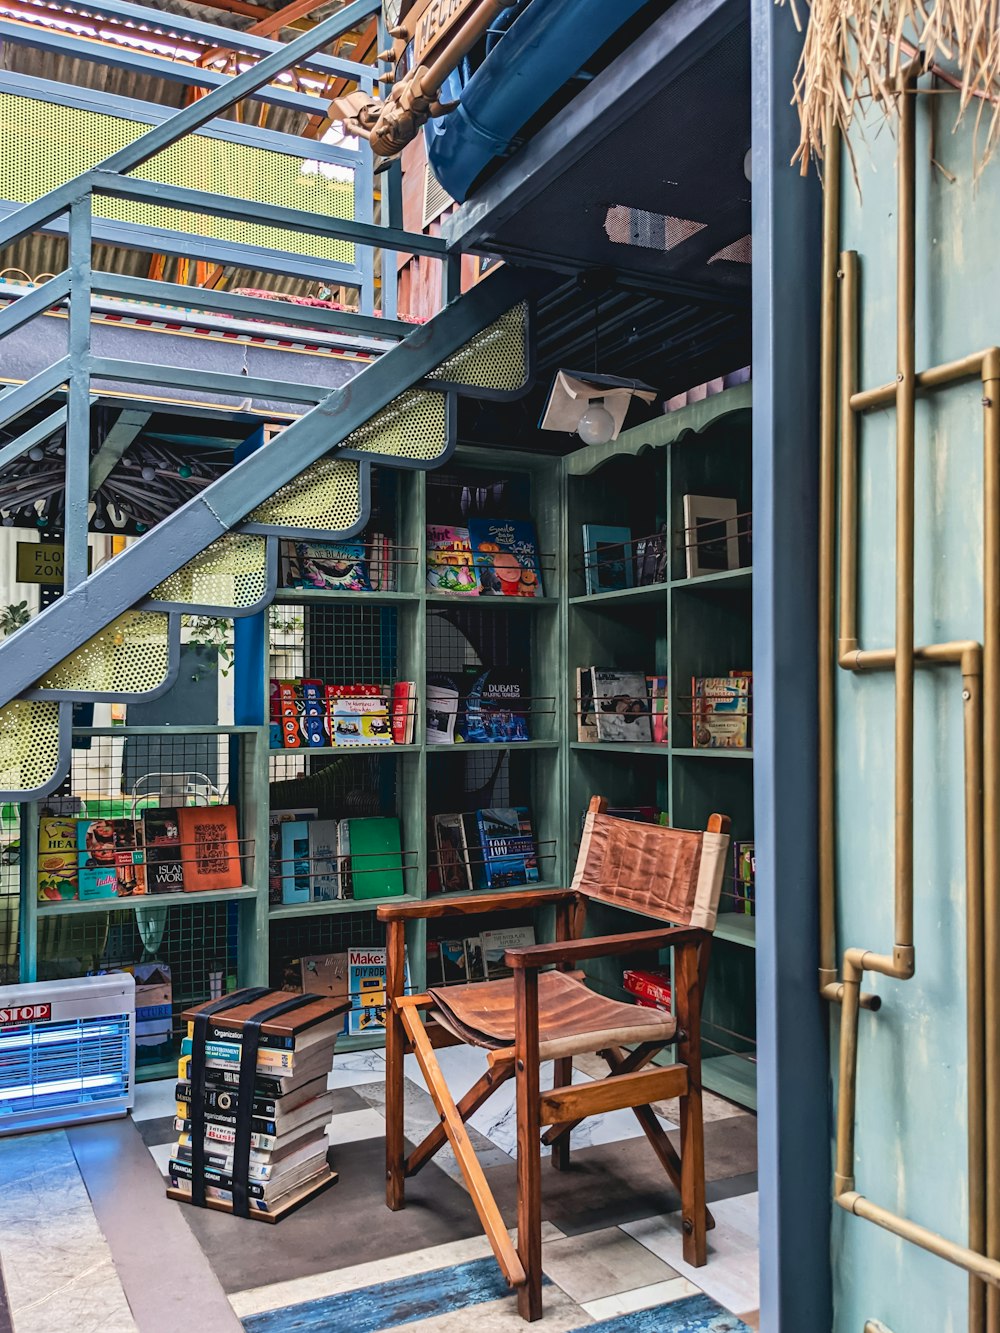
153 1006
376 853
313 721
324 866
744 879
161 838
130 858
496 942
366 979
358 715
97 875
720 712
325 566
493 705
58 871
607 557
711 540
651 558
656 687
403 712
453 964
444 700
381 562
450 567
344 857
275 868
325 974
651 989
507 841
505 552
210 850
286 701
621 706
586 719
295 876
453 857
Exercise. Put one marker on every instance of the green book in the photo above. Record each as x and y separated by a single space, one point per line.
376 858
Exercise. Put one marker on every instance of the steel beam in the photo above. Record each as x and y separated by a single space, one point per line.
36 435
126 581
118 439
18 400
78 407
208 381
292 219
207 300
34 303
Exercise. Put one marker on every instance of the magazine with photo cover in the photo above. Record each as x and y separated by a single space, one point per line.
496 704
621 706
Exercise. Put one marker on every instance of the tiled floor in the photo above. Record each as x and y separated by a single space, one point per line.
611 1241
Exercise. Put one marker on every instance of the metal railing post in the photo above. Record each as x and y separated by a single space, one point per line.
78 407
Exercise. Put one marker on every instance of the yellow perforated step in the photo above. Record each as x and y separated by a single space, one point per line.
413 426
232 572
495 359
129 656
326 497
29 745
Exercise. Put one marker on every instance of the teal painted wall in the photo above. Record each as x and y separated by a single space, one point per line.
911 1137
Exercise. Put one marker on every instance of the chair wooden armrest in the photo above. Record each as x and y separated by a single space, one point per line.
468 904
534 956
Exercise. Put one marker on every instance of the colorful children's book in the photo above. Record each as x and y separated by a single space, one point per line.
403 712
57 860
295 868
326 566
495 704
607 557
97 874
505 552
209 847
744 878
313 721
161 838
508 845
621 706
720 709
449 561
361 719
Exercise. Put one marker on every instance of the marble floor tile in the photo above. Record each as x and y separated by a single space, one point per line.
58 1270
350 1126
641 1298
602 1263
731 1275
161 1154
277 1295
420 1117
355 1067
155 1100
462 1065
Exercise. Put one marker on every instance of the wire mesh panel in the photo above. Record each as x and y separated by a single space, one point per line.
305 936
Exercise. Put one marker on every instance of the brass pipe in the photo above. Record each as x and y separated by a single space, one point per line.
972 693
827 485
848 632
991 802
905 469
986 1269
937 377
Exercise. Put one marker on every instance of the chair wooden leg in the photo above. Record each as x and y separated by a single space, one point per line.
529 1149
395 1151
562 1078
395 1048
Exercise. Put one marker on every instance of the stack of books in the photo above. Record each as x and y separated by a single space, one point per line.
310 714
322 860
264 1127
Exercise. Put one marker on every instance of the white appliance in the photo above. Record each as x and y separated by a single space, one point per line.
67 1051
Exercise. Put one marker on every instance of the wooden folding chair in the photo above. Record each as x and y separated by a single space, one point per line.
540 1014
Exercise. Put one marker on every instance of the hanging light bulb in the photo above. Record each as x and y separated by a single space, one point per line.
149 473
8 520
597 425
100 523
37 454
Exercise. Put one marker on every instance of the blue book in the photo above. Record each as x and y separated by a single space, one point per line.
508 845
607 557
295 861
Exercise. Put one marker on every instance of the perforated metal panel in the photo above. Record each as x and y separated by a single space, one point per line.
129 656
75 140
232 572
414 425
29 745
326 497
495 359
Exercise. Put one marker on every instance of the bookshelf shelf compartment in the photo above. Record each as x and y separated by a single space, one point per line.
649 592
732 1077
690 753
739 579
622 747
317 596
737 929
493 747
326 751
282 911
439 599
129 904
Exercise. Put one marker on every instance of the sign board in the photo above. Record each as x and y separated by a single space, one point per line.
438 21
43 562
25 1013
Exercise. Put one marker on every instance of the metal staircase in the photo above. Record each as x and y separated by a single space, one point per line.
115 633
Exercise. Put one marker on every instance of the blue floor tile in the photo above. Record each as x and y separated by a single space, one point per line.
389 1304
693 1314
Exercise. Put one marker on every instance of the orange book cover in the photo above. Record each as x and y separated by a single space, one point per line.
210 852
